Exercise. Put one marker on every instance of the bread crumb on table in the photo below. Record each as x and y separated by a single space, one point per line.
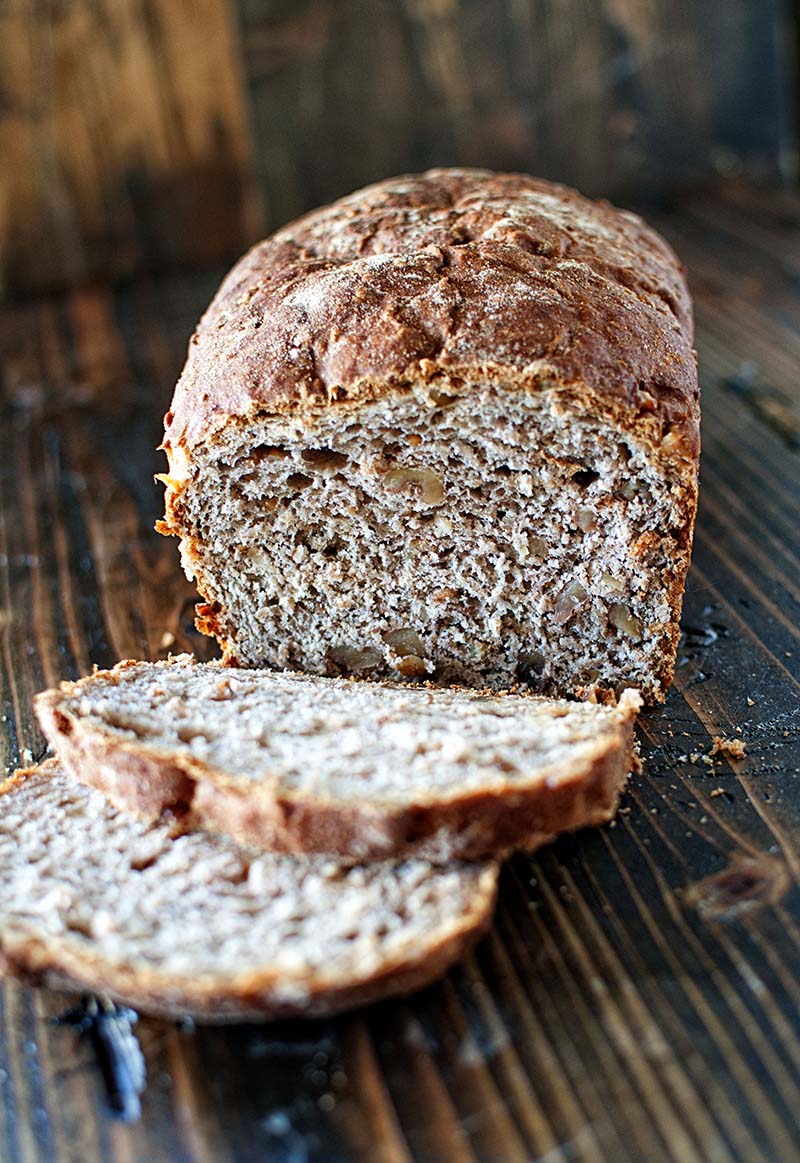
733 748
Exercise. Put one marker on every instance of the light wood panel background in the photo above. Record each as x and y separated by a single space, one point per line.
148 134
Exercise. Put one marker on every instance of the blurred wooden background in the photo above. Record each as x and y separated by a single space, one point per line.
144 135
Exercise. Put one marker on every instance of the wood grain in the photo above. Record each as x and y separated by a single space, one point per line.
615 96
638 996
137 135
124 138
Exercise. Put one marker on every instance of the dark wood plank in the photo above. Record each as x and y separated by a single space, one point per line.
616 97
638 997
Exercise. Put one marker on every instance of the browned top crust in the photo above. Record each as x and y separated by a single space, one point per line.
460 273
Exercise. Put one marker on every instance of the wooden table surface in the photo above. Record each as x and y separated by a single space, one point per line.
637 1000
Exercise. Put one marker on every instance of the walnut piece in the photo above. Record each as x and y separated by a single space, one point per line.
355 658
623 620
405 641
416 480
411 666
569 601
612 583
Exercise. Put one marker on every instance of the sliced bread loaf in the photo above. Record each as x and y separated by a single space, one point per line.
197 925
363 770
447 426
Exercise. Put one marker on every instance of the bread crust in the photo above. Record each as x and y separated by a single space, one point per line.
154 783
393 283
250 995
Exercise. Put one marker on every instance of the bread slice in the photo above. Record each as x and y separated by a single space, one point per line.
447 426
359 769
196 925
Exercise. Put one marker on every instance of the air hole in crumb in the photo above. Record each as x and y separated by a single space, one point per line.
144 862
443 400
177 810
503 470
188 734
79 925
62 723
298 480
585 477
531 663
324 458
267 452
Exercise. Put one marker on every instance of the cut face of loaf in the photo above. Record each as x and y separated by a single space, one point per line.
478 537
357 769
198 926
447 427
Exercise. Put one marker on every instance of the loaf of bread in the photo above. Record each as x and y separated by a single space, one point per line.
445 427
196 925
360 770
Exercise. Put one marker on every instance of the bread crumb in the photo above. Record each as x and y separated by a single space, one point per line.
718 791
750 702
167 639
733 748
